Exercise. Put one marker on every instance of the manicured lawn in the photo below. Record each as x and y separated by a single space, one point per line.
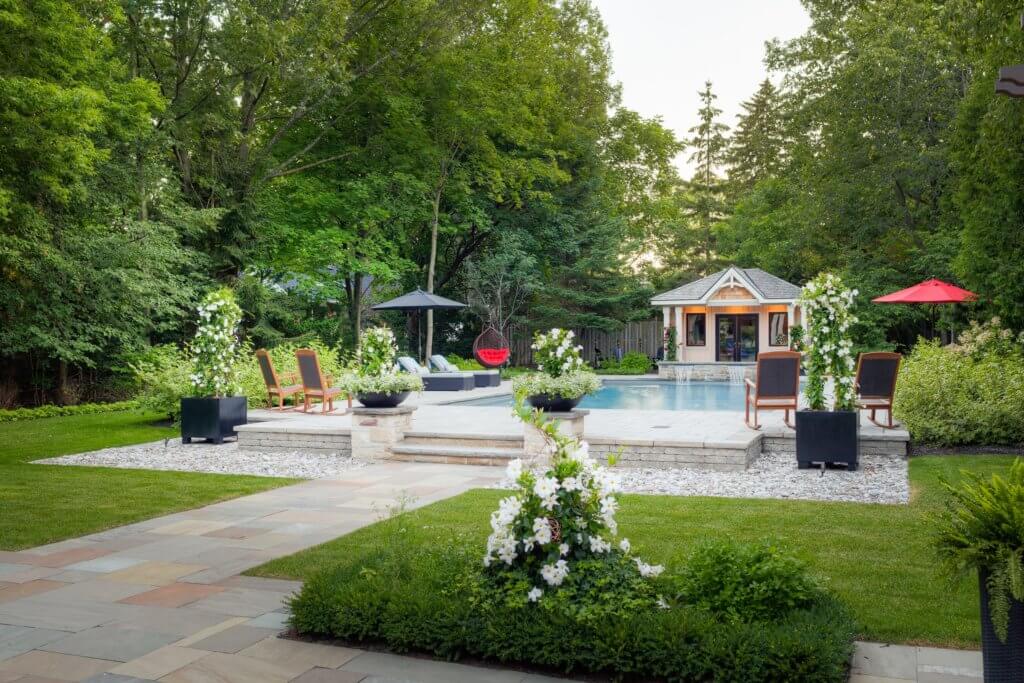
44 503
875 557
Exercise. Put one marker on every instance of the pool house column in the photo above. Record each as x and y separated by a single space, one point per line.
680 333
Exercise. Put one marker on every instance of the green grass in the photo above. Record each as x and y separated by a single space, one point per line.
876 558
43 503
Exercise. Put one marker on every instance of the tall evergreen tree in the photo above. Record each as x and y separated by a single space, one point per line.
704 201
756 151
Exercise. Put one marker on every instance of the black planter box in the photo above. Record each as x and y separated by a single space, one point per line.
1003 662
553 404
486 378
824 436
212 418
378 400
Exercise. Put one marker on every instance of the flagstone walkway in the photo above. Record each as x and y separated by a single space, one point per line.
162 600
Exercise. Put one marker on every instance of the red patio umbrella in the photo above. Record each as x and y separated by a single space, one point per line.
928 292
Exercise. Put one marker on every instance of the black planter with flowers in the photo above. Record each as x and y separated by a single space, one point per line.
827 431
563 379
213 412
553 404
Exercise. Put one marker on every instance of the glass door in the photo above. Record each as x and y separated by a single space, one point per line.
736 338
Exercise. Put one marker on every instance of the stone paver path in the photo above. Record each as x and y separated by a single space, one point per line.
162 600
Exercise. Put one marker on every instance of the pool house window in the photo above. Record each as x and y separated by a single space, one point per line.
778 329
696 329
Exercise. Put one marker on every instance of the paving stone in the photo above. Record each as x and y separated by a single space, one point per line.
234 639
388 666
28 573
275 620
29 679
154 573
106 564
173 595
111 643
241 602
37 612
115 678
236 532
886 661
209 631
74 576
298 656
159 663
263 584
63 558
225 668
961 663
181 621
321 675
16 591
189 527
862 678
55 666
15 640
96 591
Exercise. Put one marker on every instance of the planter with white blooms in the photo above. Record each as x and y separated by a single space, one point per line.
563 378
827 432
213 411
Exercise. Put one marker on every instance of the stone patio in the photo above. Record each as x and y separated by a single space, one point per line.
162 600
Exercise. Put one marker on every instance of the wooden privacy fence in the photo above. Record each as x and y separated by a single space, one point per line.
644 336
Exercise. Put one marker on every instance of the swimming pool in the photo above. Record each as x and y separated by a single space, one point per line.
651 395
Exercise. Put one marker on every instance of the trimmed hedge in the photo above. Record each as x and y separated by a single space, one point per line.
437 601
633 363
59 411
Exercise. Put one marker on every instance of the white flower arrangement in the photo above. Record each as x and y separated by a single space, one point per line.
214 349
375 371
827 310
556 517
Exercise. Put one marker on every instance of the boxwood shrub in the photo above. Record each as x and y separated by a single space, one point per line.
438 601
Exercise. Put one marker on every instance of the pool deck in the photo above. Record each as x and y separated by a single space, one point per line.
443 431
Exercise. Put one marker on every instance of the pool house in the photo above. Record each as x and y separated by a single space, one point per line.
723 321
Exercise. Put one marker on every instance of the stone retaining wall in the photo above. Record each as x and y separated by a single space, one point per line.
891 447
664 456
318 443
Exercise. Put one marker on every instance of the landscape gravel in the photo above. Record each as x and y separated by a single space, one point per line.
224 458
880 479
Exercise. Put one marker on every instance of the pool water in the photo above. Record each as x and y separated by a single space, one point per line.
651 395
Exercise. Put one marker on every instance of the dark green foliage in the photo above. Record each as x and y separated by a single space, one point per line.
415 599
57 411
948 397
982 529
632 363
745 583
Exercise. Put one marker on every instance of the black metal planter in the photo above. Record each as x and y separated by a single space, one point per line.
553 404
212 418
379 400
1004 662
825 436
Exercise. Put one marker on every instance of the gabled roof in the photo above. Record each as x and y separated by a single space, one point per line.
765 285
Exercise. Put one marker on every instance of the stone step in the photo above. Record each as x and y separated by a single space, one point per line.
455 440
454 455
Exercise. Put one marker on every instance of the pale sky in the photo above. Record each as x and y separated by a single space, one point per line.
664 50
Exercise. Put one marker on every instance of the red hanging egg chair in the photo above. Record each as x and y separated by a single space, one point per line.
490 348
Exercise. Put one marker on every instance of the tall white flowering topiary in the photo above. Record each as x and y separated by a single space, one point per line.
558 517
377 351
214 349
827 307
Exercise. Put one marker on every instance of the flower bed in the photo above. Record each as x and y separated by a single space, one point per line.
559 589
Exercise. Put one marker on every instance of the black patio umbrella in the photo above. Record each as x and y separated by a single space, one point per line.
418 300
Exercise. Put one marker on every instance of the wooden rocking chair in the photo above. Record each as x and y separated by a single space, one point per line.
315 384
276 392
777 386
876 383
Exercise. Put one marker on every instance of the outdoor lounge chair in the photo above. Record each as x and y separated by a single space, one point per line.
438 381
315 384
777 386
275 390
481 378
876 383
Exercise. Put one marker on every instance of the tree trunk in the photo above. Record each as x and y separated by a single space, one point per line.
62 382
430 270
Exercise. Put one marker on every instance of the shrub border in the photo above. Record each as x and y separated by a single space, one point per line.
19 414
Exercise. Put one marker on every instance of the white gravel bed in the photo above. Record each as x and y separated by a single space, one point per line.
213 458
879 479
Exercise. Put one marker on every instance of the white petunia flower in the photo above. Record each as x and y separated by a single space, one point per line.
534 595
